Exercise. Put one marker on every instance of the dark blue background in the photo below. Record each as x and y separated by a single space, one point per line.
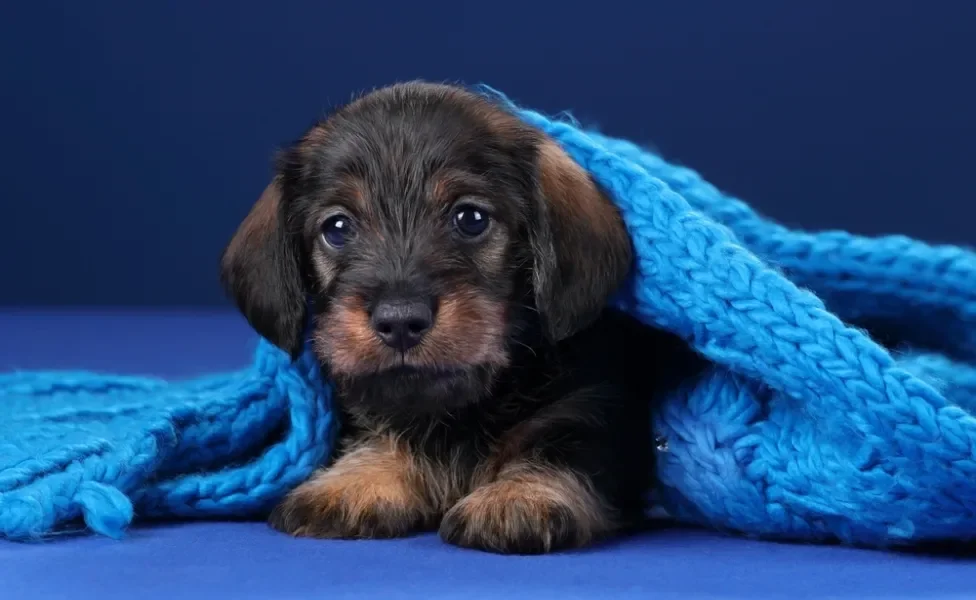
135 135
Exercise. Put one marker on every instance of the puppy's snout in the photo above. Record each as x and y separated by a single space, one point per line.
402 322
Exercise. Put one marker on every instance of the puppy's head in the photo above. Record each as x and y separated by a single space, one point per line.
432 234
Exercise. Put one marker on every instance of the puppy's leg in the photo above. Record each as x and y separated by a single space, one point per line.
532 508
376 490
559 483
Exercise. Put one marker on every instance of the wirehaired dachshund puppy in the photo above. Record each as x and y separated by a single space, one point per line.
450 266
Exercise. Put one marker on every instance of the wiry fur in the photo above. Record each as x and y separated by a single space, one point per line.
516 424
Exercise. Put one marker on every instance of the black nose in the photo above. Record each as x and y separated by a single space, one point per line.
401 324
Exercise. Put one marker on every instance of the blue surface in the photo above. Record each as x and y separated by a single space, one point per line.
247 560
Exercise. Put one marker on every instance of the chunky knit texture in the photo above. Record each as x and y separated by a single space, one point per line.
103 449
802 427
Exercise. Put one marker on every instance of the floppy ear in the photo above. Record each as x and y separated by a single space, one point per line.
582 252
260 270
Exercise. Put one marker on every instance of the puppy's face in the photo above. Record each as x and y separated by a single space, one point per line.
433 235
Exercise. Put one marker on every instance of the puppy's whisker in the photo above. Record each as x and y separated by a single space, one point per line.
527 306
527 347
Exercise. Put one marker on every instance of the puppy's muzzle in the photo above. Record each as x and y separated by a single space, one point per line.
402 323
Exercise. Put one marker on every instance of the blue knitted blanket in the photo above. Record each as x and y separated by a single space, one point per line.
803 427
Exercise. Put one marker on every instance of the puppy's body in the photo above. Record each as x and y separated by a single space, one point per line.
456 264
560 455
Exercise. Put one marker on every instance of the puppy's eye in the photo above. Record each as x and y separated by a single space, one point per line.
337 230
470 221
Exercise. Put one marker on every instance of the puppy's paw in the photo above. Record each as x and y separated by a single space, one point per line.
531 514
347 505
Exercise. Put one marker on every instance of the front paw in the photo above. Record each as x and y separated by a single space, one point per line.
528 515
350 506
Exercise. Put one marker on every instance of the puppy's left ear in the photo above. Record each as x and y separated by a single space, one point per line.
582 252
261 271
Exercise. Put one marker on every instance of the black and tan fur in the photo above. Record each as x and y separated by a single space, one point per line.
519 423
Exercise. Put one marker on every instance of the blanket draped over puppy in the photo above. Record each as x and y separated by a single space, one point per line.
803 427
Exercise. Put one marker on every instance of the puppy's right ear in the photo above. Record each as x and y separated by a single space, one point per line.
261 271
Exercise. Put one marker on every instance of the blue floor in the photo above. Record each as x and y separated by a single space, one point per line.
240 561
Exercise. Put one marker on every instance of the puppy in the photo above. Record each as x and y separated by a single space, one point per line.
450 266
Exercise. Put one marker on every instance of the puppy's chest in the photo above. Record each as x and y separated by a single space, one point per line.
448 458
457 463
472 444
